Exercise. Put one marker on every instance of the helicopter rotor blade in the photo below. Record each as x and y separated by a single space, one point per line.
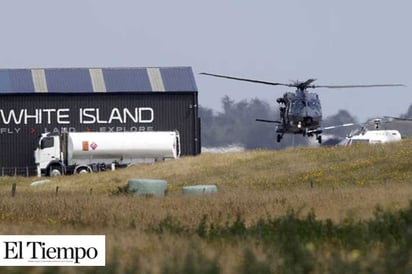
301 85
338 126
247 80
356 86
268 121
397 118
321 129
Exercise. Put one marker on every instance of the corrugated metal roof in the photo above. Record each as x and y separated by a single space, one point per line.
175 79
67 80
85 80
18 80
126 79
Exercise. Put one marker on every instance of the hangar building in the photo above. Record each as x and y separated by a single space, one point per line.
34 101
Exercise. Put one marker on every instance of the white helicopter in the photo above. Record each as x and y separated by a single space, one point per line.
377 135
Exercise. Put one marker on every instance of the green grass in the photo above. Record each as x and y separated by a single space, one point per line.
302 210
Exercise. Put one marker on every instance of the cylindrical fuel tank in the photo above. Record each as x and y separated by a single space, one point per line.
130 145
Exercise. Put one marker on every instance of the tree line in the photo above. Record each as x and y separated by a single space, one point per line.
236 125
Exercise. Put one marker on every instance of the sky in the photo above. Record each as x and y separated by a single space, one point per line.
336 42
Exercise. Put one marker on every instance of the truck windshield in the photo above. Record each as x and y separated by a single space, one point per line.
47 142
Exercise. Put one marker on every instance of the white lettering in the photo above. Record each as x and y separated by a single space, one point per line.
87 113
34 116
142 115
98 117
48 112
148 111
130 129
11 115
7 130
127 113
61 116
115 115
60 130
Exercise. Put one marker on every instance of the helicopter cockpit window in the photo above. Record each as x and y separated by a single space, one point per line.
298 104
313 104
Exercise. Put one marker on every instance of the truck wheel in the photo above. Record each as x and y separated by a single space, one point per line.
55 171
83 170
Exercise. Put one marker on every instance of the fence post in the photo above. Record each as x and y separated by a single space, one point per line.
13 190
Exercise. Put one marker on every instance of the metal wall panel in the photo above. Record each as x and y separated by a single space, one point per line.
24 117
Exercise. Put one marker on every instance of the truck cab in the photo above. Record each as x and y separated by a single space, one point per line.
47 155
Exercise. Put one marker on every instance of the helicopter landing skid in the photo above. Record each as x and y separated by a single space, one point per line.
279 137
316 132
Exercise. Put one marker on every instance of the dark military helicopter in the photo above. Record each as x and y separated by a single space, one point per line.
300 111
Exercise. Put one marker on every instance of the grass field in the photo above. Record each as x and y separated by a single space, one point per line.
301 210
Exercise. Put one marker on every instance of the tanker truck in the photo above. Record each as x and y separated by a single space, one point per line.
86 152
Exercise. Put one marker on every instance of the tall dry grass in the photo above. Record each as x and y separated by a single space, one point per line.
333 182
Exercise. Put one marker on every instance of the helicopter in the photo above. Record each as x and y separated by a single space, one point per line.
376 135
300 111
